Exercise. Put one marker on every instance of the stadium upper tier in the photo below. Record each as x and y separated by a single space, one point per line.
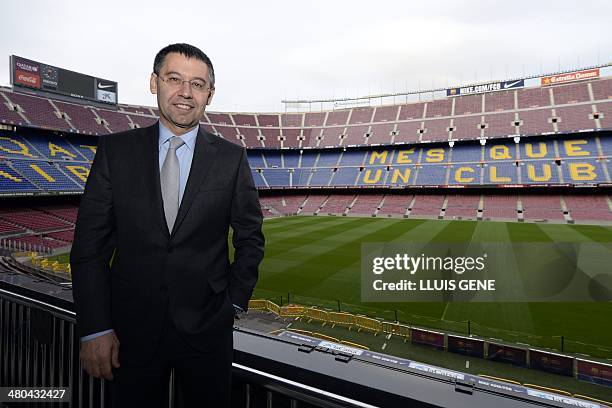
568 108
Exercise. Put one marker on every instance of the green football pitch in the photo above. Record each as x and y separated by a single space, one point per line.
316 261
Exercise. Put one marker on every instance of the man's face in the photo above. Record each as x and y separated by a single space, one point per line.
181 105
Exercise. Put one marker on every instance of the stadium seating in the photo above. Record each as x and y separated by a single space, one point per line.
243 119
7 228
291 204
533 97
468 104
541 207
66 212
34 220
591 208
52 225
45 175
312 204
141 110
366 204
427 205
7 114
30 242
142 121
117 121
44 227
571 93
65 236
500 207
408 147
380 134
386 114
43 161
571 117
499 101
462 206
83 118
338 204
500 124
40 111
12 181
395 205
527 111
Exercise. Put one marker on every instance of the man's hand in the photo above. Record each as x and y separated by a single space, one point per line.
98 354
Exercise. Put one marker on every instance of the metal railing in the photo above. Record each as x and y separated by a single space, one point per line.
39 348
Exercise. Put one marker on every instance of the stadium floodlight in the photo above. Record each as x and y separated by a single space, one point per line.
483 142
451 143
517 139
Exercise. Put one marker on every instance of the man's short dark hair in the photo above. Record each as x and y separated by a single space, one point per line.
188 51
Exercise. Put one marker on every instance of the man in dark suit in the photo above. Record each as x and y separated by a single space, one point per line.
159 201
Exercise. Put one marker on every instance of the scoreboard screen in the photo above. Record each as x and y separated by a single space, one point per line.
35 75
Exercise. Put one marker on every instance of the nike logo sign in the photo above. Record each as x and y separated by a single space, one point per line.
105 86
510 84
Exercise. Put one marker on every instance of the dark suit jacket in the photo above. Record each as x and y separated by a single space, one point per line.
185 272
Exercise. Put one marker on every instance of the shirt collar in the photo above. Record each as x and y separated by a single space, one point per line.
189 138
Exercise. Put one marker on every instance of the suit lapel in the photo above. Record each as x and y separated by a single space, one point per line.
203 155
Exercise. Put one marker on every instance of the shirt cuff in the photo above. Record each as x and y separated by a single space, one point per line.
93 336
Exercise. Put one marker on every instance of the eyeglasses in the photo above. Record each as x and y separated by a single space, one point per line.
176 82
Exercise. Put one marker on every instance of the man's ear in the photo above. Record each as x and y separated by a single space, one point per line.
153 83
210 96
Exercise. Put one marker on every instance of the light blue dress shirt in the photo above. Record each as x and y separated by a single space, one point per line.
185 157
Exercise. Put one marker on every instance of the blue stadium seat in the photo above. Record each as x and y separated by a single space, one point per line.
431 174
291 158
308 159
84 145
465 174
328 159
467 153
583 171
321 177
257 179
372 176
534 150
300 177
46 175
12 145
352 158
255 159
345 176
10 180
401 175
500 172
277 177
606 145
273 158
577 147
539 172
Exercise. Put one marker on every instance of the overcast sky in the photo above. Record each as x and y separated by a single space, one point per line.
265 51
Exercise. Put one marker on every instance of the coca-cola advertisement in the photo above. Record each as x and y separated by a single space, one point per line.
26 73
